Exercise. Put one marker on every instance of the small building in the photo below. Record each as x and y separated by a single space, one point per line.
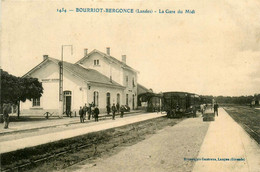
96 78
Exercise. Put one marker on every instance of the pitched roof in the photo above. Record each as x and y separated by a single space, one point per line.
89 75
111 58
143 87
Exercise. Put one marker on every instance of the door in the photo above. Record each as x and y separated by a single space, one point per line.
67 102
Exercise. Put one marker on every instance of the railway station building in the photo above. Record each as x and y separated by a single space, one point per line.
96 78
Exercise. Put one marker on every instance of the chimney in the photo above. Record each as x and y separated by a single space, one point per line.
108 50
85 52
124 59
45 57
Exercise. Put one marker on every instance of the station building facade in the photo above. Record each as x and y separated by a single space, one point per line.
96 78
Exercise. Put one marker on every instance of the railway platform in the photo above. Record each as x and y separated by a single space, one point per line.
31 141
227 147
40 123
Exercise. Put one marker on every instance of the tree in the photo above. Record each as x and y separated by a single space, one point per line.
16 89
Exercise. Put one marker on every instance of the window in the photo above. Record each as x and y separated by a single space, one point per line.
95 98
118 98
96 62
36 102
133 82
126 79
126 101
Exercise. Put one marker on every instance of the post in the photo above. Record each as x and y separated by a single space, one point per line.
61 109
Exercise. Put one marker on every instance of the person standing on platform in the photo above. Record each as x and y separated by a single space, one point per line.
118 107
89 111
92 110
216 108
122 110
81 113
108 109
96 113
113 111
85 109
6 110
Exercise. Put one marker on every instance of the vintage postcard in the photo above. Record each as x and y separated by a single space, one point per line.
130 85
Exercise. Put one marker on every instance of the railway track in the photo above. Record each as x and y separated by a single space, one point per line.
252 133
31 162
249 130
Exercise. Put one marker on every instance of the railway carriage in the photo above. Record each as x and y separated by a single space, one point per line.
179 104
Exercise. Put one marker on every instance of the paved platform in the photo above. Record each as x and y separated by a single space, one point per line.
226 139
12 145
40 122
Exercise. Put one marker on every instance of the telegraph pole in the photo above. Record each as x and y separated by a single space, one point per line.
61 107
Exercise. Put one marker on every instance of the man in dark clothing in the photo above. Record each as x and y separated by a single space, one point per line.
113 111
85 109
216 108
118 107
108 109
122 110
96 113
89 111
6 110
81 113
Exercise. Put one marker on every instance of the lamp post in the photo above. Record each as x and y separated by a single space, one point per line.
61 108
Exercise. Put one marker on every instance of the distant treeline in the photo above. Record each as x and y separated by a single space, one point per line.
234 100
231 100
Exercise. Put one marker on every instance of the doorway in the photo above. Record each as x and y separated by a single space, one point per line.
67 102
108 99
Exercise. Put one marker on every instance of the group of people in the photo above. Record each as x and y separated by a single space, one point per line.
115 108
90 110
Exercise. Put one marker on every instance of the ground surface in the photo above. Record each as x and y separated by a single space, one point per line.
159 144
248 118
227 147
94 144
163 151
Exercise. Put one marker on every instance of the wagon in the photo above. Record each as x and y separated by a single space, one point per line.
179 104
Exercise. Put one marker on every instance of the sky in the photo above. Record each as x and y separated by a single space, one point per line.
215 51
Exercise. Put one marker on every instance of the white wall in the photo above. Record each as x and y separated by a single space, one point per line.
50 98
105 67
118 74
130 90
102 91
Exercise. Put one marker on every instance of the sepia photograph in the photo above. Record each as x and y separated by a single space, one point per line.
130 86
